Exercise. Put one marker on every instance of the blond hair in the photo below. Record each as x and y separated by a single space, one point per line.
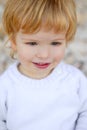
31 15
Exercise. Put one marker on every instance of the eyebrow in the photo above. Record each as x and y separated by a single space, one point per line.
39 41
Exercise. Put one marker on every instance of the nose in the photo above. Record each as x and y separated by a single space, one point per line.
43 52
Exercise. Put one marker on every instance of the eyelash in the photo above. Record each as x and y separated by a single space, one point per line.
34 43
56 43
31 43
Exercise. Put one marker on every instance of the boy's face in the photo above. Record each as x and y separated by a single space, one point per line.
39 53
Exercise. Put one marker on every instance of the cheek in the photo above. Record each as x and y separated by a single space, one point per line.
59 54
23 55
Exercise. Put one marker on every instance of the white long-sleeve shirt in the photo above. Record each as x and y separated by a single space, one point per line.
57 102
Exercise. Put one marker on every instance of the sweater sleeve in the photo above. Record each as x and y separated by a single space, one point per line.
81 123
2 109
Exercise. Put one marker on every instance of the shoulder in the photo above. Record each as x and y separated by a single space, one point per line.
73 71
71 75
5 78
74 79
77 77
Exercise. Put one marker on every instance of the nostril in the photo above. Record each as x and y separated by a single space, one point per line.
43 54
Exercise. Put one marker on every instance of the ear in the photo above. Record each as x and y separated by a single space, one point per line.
13 44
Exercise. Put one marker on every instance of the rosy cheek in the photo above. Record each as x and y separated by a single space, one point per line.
59 56
22 56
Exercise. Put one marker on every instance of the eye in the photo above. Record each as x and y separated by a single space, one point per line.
56 43
31 43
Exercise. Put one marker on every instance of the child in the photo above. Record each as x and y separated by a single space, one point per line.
40 91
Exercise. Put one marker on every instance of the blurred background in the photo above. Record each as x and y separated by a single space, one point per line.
76 53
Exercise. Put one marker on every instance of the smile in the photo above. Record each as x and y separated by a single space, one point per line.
41 65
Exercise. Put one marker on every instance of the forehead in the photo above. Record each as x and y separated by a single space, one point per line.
42 34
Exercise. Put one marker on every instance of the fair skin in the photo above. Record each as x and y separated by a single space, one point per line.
39 53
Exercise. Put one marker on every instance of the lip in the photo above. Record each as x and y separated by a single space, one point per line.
41 65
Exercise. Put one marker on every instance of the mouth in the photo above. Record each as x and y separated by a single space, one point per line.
41 65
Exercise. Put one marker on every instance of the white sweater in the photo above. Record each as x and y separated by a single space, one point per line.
57 102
